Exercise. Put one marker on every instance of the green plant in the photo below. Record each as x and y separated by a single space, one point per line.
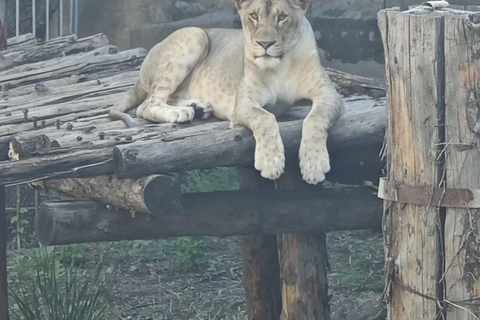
20 225
190 251
217 179
45 289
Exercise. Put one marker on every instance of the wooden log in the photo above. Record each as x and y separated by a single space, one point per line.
64 67
261 269
185 150
59 47
413 59
156 194
303 265
76 164
235 147
44 95
349 84
62 46
60 109
3 257
220 214
462 158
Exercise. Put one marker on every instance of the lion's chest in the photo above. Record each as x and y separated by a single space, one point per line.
281 94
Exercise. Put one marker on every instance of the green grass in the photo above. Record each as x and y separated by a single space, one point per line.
46 289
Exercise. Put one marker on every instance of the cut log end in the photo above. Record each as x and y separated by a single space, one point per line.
163 195
44 225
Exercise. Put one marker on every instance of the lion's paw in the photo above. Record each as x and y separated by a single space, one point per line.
270 160
314 160
178 114
203 109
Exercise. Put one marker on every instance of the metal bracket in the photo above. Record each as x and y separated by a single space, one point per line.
428 195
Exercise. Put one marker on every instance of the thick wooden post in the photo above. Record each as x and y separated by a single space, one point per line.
261 274
433 127
462 167
3 257
412 59
303 267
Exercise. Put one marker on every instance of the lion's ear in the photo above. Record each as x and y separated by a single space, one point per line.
238 3
302 3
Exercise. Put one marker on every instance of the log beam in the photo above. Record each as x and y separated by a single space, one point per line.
219 214
155 194
354 141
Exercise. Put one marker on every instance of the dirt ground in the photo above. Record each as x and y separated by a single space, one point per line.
213 288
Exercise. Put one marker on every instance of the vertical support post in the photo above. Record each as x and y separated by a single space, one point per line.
34 17
261 274
60 18
3 25
462 170
73 16
17 18
3 257
431 71
47 20
303 266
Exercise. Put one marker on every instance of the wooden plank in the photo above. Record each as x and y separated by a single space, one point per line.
219 214
411 57
462 245
261 269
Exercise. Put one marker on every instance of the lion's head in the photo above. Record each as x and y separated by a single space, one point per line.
271 28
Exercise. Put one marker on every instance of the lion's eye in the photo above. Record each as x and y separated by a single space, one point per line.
254 16
282 17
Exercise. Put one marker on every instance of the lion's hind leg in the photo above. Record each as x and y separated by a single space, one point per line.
176 58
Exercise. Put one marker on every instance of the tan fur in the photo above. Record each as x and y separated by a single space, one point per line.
246 77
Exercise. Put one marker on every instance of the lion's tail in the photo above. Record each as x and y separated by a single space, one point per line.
133 98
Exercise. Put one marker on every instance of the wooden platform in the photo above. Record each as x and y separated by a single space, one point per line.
53 120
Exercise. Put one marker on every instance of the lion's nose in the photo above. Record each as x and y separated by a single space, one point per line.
266 44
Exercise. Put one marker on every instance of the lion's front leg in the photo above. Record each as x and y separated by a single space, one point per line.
313 154
269 150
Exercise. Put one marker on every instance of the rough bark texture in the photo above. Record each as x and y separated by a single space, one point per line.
235 147
156 194
261 269
413 133
462 123
304 277
303 266
3 257
214 214
359 132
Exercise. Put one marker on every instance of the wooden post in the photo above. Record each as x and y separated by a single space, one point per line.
462 166
3 257
261 270
303 262
432 72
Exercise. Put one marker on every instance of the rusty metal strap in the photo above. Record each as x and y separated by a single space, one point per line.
428 196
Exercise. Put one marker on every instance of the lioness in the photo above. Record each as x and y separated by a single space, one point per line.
246 77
